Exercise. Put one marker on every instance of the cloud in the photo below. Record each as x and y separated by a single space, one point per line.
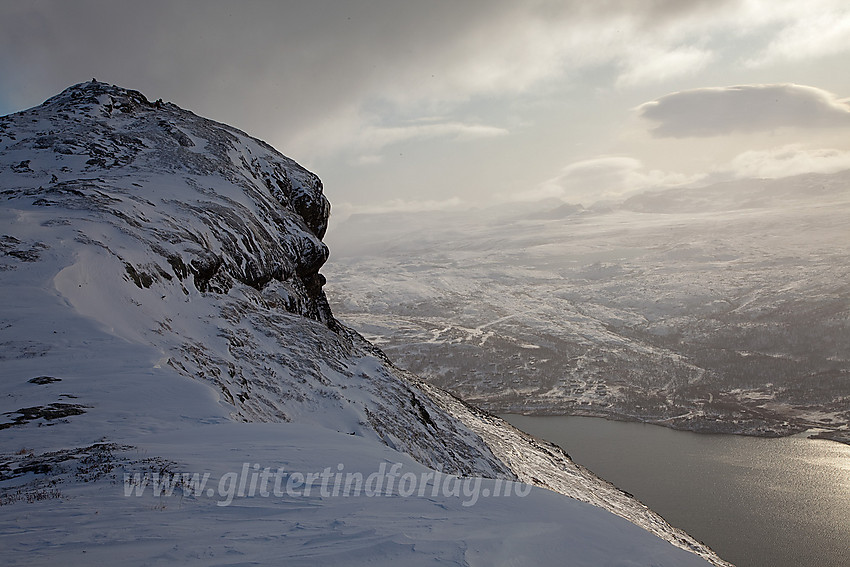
358 135
366 160
615 177
801 30
746 108
789 160
379 137
344 210
648 66
592 180
309 63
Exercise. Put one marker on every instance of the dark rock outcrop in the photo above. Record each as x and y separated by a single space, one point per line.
82 146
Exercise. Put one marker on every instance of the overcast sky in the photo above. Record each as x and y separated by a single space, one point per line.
427 104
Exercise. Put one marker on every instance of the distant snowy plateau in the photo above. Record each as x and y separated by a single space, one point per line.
723 308
164 324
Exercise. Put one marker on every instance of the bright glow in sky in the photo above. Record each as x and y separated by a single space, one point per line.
439 104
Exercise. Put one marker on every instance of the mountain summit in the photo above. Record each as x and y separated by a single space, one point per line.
164 326
218 206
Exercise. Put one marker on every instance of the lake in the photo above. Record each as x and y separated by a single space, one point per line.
757 502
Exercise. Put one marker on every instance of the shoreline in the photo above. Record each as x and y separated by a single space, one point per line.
839 436
711 426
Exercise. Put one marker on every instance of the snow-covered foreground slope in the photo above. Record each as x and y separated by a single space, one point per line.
176 389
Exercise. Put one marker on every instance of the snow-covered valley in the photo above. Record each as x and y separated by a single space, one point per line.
720 309
163 314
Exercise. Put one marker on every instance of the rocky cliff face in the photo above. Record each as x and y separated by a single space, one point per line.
104 149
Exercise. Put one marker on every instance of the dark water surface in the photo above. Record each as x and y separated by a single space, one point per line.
757 502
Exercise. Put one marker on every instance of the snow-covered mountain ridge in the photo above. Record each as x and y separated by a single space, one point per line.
162 298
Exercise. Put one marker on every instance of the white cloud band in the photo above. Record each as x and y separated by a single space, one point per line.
745 108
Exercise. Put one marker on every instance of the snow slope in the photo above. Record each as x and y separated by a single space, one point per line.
163 317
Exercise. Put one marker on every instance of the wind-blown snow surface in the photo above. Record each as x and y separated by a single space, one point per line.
163 313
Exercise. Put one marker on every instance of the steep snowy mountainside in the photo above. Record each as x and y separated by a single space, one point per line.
175 231
162 297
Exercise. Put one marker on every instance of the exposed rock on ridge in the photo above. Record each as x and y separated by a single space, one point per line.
99 132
